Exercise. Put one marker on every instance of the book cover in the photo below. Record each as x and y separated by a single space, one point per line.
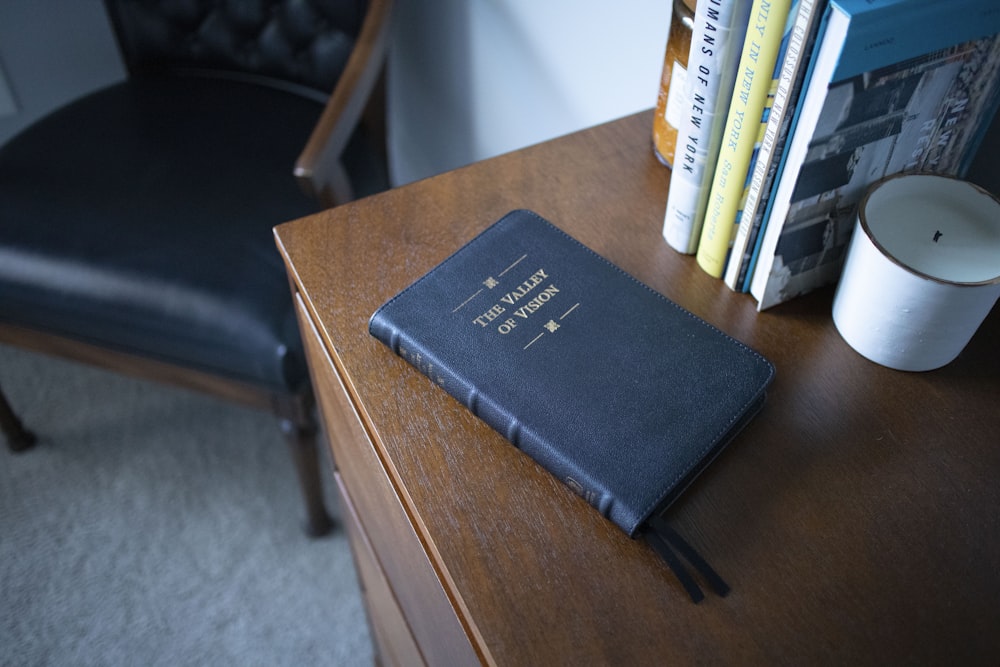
893 86
753 78
803 19
612 388
719 30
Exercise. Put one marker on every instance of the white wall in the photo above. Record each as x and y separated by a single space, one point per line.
52 51
470 79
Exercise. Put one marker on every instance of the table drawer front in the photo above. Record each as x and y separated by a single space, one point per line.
394 641
397 548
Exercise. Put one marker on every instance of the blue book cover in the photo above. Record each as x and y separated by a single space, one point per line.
613 389
893 86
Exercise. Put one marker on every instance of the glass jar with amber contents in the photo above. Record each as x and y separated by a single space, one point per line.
671 97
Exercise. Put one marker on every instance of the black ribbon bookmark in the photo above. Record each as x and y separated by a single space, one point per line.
664 540
675 565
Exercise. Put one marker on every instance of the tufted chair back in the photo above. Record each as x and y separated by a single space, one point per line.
136 221
302 42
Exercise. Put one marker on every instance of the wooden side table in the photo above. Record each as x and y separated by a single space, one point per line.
857 518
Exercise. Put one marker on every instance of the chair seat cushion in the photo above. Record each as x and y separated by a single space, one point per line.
139 218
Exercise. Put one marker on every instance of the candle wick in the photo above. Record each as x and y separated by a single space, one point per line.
937 236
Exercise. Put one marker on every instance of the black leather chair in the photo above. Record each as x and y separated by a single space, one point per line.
135 222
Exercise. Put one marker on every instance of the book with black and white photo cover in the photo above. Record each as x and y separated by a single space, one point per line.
893 86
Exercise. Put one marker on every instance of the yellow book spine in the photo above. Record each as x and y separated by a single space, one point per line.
753 79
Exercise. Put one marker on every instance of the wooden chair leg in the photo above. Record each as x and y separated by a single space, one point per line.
302 441
18 437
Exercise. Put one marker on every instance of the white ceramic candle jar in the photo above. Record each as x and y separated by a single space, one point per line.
922 271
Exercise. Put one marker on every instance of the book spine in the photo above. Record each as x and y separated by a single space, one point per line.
489 411
733 253
826 52
785 87
719 30
753 78
758 223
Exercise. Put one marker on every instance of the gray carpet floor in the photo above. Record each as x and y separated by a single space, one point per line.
155 526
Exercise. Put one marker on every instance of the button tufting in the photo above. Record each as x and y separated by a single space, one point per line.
275 38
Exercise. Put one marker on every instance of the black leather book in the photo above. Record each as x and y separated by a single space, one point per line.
614 389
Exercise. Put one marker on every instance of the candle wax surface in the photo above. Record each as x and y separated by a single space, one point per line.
943 228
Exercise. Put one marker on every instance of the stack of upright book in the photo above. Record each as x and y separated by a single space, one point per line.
798 106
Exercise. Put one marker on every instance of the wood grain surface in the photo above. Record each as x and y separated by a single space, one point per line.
857 518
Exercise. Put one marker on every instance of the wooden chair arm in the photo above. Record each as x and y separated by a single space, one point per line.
319 169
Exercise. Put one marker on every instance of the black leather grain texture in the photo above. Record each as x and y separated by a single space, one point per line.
612 388
139 217
152 232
